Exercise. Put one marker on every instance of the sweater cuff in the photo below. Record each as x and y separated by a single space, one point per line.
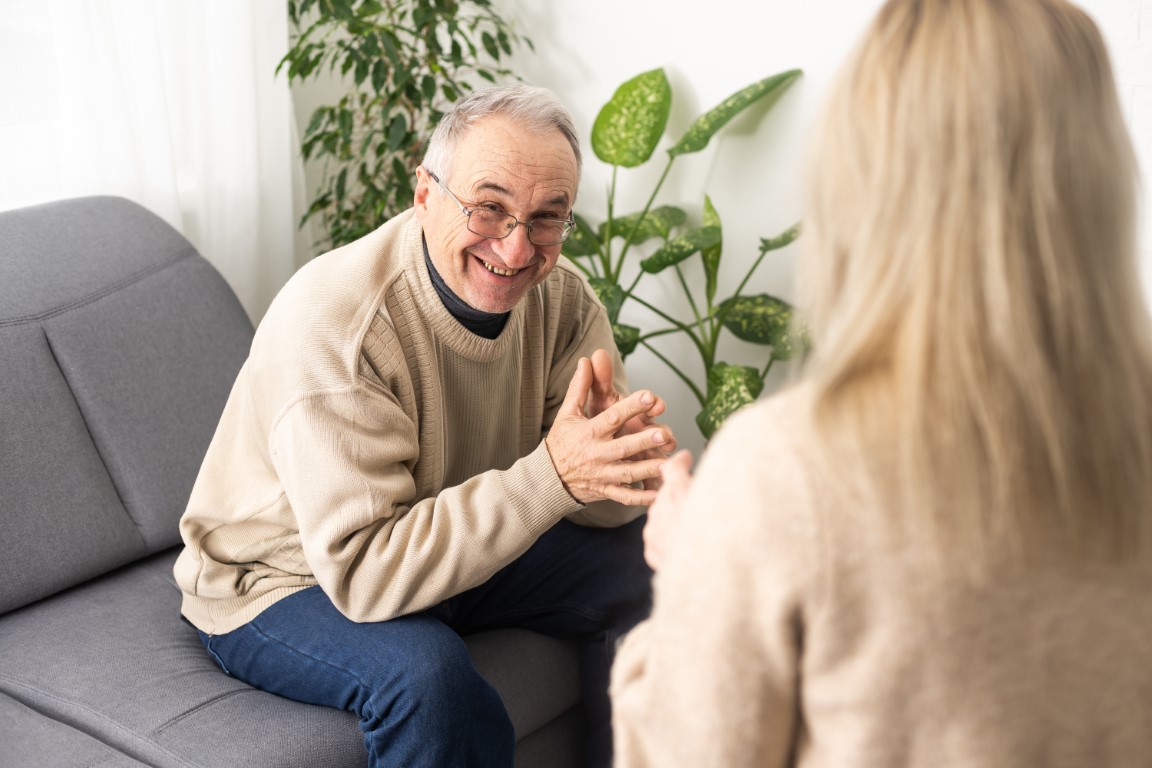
537 493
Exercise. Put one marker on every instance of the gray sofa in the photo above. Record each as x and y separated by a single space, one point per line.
118 346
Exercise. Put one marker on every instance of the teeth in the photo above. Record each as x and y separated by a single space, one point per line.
498 271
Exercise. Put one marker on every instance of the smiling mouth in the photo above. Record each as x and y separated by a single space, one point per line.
497 271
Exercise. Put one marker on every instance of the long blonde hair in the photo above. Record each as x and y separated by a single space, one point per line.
982 363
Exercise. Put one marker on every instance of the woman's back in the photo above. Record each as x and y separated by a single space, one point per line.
794 632
937 548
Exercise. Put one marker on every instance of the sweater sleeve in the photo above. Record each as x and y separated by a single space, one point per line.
712 677
345 459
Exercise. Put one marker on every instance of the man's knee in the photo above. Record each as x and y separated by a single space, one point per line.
440 685
438 710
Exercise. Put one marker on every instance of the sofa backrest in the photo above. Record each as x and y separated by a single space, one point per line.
118 347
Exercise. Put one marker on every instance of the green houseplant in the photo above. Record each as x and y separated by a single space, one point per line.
404 61
625 135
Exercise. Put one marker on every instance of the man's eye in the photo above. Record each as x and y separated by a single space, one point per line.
492 207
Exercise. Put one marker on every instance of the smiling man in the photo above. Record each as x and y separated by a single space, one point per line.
430 437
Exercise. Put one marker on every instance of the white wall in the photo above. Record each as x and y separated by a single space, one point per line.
752 170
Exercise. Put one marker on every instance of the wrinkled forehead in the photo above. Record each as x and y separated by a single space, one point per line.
501 154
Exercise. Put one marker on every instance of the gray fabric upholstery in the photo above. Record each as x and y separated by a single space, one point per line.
119 346
32 739
171 699
124 343
62 520
162 350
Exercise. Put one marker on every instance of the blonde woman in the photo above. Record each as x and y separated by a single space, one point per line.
934 549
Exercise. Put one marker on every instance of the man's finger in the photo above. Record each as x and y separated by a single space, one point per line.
640 445
577 393
629 496
612 419
603 391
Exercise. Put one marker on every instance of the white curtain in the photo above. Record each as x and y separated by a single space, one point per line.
171 103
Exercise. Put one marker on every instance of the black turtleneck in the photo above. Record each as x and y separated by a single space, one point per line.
486 324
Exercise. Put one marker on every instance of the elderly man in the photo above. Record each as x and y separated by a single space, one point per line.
429 438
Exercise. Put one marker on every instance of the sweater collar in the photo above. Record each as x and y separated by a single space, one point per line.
486 324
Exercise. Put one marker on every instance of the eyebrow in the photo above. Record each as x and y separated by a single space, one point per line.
560 200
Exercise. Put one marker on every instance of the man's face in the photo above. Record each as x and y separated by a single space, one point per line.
498 165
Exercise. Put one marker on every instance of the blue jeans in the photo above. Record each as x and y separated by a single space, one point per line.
411 681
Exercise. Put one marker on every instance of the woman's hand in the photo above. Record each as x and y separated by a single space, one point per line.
667 511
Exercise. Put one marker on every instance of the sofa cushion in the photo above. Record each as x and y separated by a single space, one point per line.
61 520
30 739
112 658
150 366
110 325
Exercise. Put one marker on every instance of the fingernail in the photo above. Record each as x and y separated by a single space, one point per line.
658 438
646 398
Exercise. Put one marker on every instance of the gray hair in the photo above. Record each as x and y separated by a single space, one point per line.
536 108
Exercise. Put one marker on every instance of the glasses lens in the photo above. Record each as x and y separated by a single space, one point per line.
490 223
548 231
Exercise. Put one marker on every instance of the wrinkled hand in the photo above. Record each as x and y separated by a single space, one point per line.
604 396
667 511
601 443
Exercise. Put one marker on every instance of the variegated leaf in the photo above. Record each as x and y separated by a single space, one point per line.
760 319
706 126
658 222
680 248
711 255
627 337
582 241
730 388
630 125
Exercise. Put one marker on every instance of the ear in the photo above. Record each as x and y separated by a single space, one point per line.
423 190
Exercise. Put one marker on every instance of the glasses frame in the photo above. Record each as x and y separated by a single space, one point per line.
570 222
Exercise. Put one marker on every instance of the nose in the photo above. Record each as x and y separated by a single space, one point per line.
516 251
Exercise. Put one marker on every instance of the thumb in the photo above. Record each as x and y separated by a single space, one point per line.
577 393
602 388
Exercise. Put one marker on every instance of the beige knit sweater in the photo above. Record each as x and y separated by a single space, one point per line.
785 632
374 446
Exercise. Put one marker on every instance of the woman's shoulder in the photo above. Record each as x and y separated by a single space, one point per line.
778 424
760 462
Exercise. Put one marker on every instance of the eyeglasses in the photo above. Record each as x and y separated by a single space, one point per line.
497 225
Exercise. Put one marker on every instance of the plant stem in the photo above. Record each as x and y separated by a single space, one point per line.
606 251
687 329
640 219
661 332
679 325
767 368
691 385
688 293
747 277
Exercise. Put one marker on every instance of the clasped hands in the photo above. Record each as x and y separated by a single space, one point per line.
607 446
603 445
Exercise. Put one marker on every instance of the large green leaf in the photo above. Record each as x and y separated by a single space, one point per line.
760 319
711 254
680 248
611 295
627 337
630 125
658 222
701 131
730 387
582 241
